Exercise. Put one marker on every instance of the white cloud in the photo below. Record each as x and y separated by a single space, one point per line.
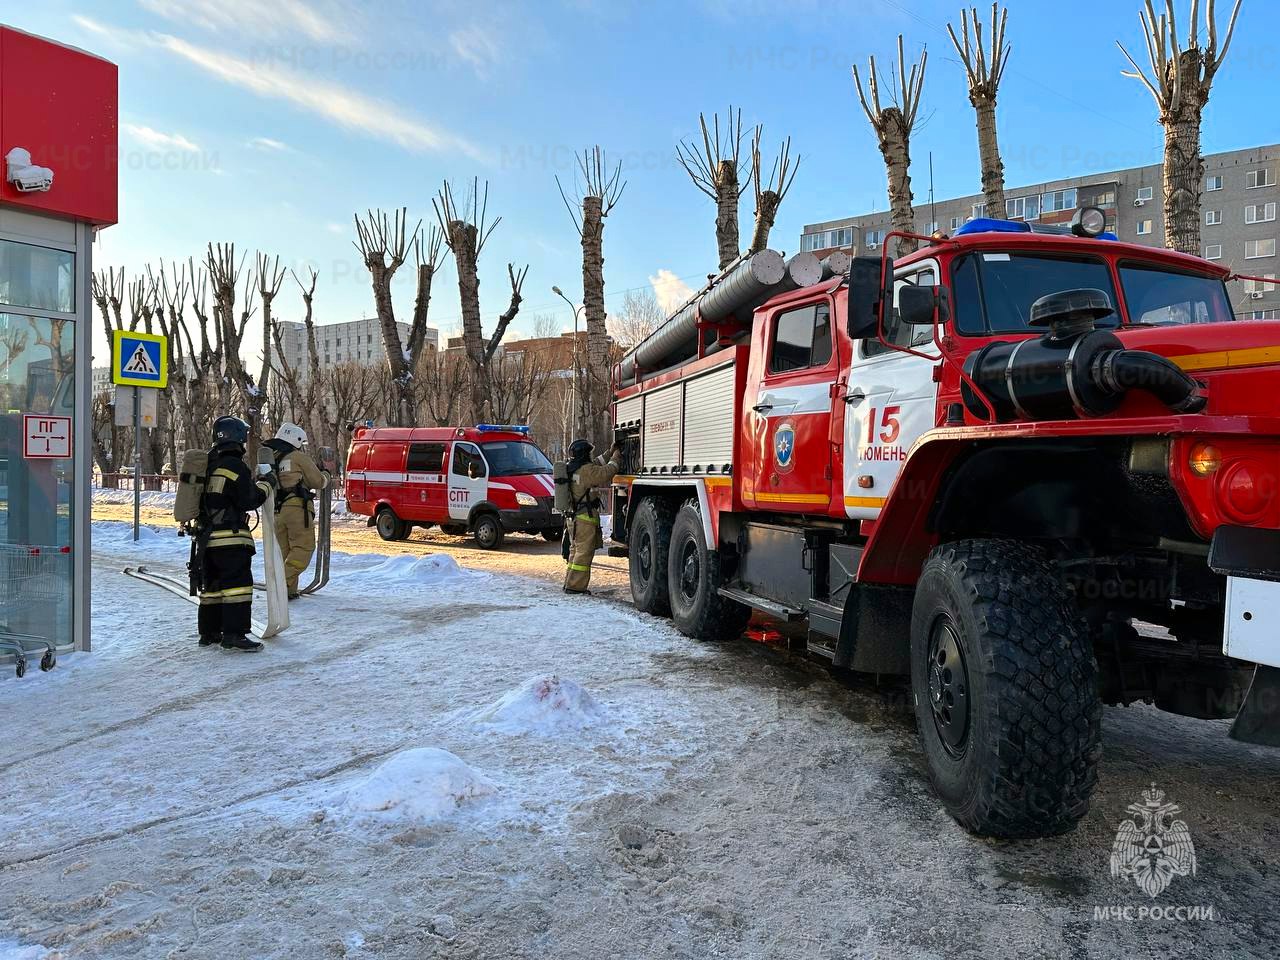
670 290
335 228
333 102
160 141
475 47
266 143
324 22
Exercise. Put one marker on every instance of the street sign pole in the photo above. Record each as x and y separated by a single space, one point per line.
137 459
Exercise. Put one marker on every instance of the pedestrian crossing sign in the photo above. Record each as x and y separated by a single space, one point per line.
139 359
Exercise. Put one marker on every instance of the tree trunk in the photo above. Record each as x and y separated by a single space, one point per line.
592 400
462 241
1183 176
894 139
727 212
989 155
766 211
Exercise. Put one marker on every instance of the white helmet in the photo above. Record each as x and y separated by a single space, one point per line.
292 434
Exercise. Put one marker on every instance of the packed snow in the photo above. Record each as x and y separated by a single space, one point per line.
421 786
544 705
409 772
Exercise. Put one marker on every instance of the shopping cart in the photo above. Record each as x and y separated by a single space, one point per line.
29 575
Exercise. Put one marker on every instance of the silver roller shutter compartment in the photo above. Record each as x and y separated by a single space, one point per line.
630 411
708 424
662 429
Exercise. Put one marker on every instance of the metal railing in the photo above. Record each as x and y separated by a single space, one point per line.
166 482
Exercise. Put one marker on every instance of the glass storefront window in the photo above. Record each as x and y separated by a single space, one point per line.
37 493
38 277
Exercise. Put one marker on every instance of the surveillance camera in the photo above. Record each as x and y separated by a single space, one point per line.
26 176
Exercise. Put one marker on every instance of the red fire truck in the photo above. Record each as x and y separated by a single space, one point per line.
1035 471
490 480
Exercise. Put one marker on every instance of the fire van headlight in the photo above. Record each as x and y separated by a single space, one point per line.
526 500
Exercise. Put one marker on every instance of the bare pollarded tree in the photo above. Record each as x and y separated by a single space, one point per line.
984 70
893 125
381 241
772 191
716 169
466 229
598 193
1180 80
300 385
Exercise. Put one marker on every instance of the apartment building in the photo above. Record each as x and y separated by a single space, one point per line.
1238 203
356 341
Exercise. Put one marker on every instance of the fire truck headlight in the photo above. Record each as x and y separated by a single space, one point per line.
526 500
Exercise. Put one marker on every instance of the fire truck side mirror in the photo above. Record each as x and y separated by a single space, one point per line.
918 305
865 296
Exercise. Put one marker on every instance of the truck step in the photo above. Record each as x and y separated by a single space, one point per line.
776 610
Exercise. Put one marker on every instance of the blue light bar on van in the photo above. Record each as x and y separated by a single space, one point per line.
991 225
502 428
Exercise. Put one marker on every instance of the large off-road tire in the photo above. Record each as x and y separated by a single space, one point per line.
648 544
1006 690
693 583
488 532
390 527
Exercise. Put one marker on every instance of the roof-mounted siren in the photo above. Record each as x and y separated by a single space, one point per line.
502 428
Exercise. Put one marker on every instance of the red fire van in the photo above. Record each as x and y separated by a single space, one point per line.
490 480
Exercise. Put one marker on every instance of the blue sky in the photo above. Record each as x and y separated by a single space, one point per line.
269 123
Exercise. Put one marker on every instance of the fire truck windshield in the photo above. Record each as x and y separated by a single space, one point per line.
994 292
509 458
1158 297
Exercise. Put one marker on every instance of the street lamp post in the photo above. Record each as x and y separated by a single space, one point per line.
574 386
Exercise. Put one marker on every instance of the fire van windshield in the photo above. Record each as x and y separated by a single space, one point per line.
510 458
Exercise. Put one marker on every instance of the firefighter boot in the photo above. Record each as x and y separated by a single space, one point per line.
238 641
209 639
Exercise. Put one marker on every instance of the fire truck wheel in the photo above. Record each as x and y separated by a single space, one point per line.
454 529
553 536
648 543
1006 690
488 531
391 527
693 583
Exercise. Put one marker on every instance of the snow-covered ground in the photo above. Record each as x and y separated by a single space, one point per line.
434 761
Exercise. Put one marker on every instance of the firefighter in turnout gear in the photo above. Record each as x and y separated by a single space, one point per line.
582 526
224 542
300 478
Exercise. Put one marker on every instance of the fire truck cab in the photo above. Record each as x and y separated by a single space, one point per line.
1034 471
489 480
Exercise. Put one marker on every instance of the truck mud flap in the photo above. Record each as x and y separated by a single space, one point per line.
1259 718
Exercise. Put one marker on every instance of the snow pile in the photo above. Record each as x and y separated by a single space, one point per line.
434 568
420 785
160 499
544 705
14 951
153 543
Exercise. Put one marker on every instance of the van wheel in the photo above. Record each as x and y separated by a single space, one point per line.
488 531
553 536
390 527
693 583
454 529
1006 690
648 543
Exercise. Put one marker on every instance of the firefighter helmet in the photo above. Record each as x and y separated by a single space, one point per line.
580 449
293 435
229 431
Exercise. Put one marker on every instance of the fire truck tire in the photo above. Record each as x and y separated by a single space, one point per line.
648 544
1006 690
390 527
487 529
454 529
693 583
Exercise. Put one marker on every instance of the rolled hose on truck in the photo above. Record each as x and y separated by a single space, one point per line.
1074 370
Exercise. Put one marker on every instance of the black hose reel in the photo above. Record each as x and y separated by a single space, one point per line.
1074 370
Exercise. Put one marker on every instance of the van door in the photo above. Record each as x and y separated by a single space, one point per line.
787 412
426 483
357 462
468 480
384 474
892 400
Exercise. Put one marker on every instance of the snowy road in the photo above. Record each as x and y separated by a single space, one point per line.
725 801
